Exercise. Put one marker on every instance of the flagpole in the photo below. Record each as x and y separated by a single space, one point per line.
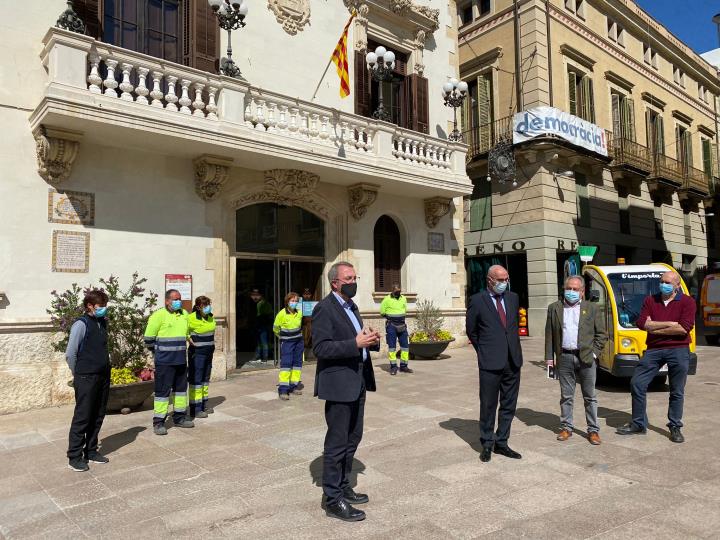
352 16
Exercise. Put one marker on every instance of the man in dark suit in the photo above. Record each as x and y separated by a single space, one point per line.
575 336
492 327
344 372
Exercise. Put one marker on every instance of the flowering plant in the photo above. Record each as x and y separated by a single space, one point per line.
127 315
429 324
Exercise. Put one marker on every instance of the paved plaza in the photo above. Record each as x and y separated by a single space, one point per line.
252 470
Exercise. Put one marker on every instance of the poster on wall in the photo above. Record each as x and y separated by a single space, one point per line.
183 284
70 251
71 207
307 307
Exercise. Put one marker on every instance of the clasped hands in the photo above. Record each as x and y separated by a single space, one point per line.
368 337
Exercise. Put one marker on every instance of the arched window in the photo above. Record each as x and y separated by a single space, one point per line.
387 254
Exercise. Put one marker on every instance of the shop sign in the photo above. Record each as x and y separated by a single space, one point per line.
540 121
517 246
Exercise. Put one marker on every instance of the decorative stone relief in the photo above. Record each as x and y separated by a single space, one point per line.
293 15
56 152
436 208
211 172
420 37
361 24
361 197
400 6
289 187
430 13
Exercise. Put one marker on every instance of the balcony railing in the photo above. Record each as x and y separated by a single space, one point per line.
696 180
667 168
91 83
484 137
629 153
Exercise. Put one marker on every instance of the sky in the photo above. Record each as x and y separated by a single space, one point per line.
689 20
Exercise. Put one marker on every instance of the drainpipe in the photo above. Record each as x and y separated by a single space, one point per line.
518 86
549 53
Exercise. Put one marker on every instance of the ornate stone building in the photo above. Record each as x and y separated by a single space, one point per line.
126 151
646 193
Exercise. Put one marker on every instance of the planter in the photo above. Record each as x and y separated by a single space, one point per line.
429 350
125 397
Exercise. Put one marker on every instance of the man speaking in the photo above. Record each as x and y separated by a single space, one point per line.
344 372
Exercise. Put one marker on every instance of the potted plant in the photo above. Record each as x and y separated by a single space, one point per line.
429 340
127 314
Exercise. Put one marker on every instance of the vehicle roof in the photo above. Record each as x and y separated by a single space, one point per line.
633 268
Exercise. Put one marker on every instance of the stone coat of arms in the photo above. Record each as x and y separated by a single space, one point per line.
293 15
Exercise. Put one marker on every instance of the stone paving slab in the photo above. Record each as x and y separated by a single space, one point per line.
253 469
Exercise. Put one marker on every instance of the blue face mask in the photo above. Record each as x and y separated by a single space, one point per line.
176 305
100 311
500 287
207 310
572 297
666 288
293 305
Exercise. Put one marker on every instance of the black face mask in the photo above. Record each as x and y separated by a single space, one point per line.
396 294
349 289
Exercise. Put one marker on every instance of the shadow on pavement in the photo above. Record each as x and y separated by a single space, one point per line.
215 401
316 471
467 430
615 419
113 443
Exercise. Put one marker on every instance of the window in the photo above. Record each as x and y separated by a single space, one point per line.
477 113
582 200
147 26
473 10
655 132
650 57
576 6
466 14
480 214
679 76
387 254
484 7
405 97
687 227
580 94
703 94
615 32
623 116
683 144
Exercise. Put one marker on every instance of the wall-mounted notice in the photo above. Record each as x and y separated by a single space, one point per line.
70 251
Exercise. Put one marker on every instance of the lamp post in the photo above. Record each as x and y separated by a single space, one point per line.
381 64
69 20
231 16
454 93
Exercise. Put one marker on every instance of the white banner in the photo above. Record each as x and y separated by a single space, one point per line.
540 121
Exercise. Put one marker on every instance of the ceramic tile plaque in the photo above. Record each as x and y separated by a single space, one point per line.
71 207
70 251
436 242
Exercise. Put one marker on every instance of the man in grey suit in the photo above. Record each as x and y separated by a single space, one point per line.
492 327
575 335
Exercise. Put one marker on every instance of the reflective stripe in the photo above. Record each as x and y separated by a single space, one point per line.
289 338
205 389
295 376
196 391
176 339
284 376
292 332
170 348
205 344
404 356
205 334
160 407
180 401
162 398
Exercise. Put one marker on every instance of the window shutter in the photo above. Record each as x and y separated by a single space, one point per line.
485 110
616 116
687 146
362 85
572 92
713 159
659 135
419 104
586 99
481 206
707 157
629 120
650 132
678 144
201 36
89 13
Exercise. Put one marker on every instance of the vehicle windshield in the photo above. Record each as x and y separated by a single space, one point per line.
630 290
713 291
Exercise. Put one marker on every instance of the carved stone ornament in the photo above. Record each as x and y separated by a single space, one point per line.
293 15
430 13
56 152
211 172
436 208
288 187
400 6
361 197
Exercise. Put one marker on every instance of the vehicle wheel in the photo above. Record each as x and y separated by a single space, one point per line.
712 339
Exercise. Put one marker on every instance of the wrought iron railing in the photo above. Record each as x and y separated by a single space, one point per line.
696 180
667 168
630 153
483 137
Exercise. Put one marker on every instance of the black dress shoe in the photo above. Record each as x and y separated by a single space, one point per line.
354 498
342 510
630 429
507 452
486 454
676 435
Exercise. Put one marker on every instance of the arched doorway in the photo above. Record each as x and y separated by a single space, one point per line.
278 249
388 259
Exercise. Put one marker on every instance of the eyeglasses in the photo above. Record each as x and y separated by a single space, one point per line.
353 279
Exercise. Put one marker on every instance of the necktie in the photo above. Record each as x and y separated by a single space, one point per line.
501 310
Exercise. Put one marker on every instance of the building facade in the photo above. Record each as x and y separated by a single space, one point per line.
127 151
647 193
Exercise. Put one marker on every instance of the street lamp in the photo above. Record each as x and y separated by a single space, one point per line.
69 20
454 93
231 16
381 64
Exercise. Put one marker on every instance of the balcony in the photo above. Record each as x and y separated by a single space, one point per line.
126 99
631 164
695 186
666 177
481 139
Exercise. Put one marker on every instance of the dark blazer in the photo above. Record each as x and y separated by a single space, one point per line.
493 342
592 333
340 369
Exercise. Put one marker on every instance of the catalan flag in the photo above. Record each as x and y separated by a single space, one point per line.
339 58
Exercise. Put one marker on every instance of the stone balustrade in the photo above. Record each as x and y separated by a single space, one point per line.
91 81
